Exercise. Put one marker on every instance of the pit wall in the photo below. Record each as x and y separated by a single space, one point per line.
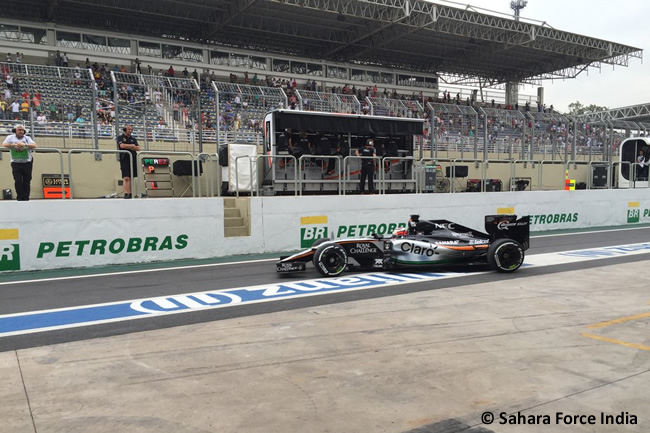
92 178
55 234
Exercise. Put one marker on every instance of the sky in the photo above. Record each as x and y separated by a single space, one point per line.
620 21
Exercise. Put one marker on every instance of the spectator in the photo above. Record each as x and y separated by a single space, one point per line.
9 79
138 68
170 71
22 160
185 73
24 109
57 58
195 75
9 58
64 60
77 75
53 112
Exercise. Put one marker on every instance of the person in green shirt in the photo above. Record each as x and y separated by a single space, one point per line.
22 160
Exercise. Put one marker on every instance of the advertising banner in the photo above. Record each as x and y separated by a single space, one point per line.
43 234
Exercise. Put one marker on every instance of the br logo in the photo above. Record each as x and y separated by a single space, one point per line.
311 229
9 250
633 213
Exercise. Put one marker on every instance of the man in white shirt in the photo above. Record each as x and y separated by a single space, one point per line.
22 160
15 109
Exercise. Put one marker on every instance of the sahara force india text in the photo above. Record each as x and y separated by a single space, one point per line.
561 418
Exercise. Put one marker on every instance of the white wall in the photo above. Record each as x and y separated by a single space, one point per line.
71 233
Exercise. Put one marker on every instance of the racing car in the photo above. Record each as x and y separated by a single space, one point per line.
422 243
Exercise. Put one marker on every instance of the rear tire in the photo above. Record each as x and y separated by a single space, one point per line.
505 255
330 259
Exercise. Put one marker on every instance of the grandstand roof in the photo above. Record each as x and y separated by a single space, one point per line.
454 40
626 116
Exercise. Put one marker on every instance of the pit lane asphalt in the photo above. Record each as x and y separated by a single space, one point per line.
432 357
117 284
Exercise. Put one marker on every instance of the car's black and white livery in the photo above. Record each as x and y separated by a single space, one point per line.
422 243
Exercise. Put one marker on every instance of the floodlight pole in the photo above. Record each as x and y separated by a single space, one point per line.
517 6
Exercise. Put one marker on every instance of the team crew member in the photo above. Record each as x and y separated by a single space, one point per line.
22 160
367 166
128 142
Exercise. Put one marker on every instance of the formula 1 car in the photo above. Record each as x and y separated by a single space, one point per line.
421 243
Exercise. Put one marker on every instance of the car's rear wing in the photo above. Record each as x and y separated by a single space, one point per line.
508 226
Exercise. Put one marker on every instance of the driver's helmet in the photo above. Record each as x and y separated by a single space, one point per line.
400 231
413 223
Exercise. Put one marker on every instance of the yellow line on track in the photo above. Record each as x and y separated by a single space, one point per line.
617 321
611 340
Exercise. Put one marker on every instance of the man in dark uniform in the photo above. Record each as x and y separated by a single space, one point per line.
324 148
367 166
128 142
342 150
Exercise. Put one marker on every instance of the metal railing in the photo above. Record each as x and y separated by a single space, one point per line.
47 150
95 151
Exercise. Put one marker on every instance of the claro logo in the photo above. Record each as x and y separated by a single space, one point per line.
408 247
100 247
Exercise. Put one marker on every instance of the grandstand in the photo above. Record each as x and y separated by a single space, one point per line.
249 64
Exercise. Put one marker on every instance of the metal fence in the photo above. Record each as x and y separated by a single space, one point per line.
454 128
239 110
309 100
164 111
55 103
380 106
502 132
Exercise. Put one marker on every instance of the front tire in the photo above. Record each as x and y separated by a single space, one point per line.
319 241
330 259
505 255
